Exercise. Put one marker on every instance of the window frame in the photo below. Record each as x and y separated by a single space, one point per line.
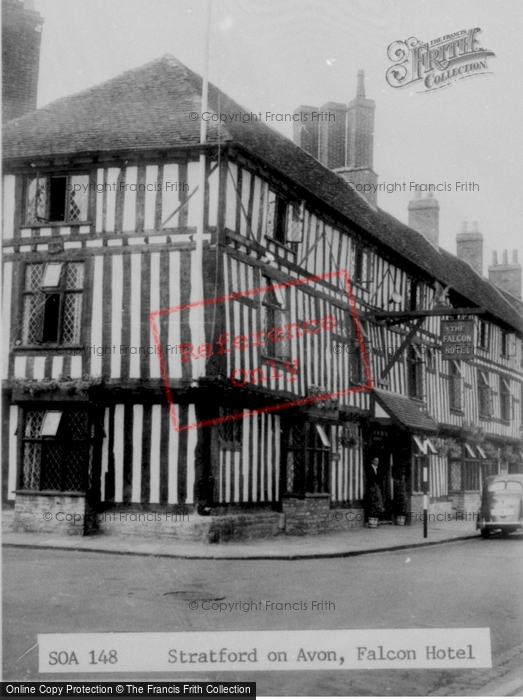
274 315
455 375
279 221
484 335
230 432
62 439
63 291
67 221
484 389
505 344
415 373
312 459
360 265
505 399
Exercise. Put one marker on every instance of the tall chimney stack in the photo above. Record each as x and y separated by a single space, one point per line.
345 139
333 135
424 216
469 247
506 276
21 39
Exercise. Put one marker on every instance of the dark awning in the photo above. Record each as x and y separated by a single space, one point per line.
407 413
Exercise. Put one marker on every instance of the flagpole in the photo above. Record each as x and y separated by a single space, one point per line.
197 271
203 136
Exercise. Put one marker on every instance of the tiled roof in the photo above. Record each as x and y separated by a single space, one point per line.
408 413
150 107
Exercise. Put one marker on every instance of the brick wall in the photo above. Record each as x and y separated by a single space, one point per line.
160 524
442 508
306 129
359 178
360 144
332 135
466 502
469 247
21 38
53 513
313 515
424 217
507 277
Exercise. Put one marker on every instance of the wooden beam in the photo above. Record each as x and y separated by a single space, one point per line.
406 341
399 316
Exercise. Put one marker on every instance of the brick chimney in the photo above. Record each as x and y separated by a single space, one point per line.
359 155
424 216
333 135
506 276
469 246
306 129
21 38
345 135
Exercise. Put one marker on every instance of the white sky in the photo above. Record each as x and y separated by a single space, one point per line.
277 54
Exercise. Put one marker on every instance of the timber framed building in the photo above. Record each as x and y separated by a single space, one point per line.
101 207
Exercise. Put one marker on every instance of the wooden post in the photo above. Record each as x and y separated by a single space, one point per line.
425 501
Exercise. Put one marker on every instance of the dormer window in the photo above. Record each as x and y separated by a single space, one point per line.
56 199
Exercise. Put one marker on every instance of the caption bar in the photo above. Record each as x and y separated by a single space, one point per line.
282 650
109 689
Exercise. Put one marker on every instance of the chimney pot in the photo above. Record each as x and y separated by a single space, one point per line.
475 227
514 257
464 227
361 84
494 257
505 257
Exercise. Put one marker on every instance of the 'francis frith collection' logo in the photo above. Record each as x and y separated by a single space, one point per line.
437 63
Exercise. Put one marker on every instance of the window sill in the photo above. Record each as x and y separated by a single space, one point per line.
457 411
48 349
27 492
57 224
279 360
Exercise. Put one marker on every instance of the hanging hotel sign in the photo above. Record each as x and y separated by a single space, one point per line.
457 338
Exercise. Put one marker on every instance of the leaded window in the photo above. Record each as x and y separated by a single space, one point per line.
55 450
505 399
274 312
360 270
52 304
415 366
307 458
56 198
456 386
484 395
230 431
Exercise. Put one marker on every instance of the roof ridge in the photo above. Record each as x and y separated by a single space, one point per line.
167 58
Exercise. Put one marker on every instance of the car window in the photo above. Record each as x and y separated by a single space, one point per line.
497 486
514 486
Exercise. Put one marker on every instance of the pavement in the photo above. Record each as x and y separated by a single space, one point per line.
353 542
505 679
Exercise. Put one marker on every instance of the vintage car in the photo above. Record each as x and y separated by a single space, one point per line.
501 505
